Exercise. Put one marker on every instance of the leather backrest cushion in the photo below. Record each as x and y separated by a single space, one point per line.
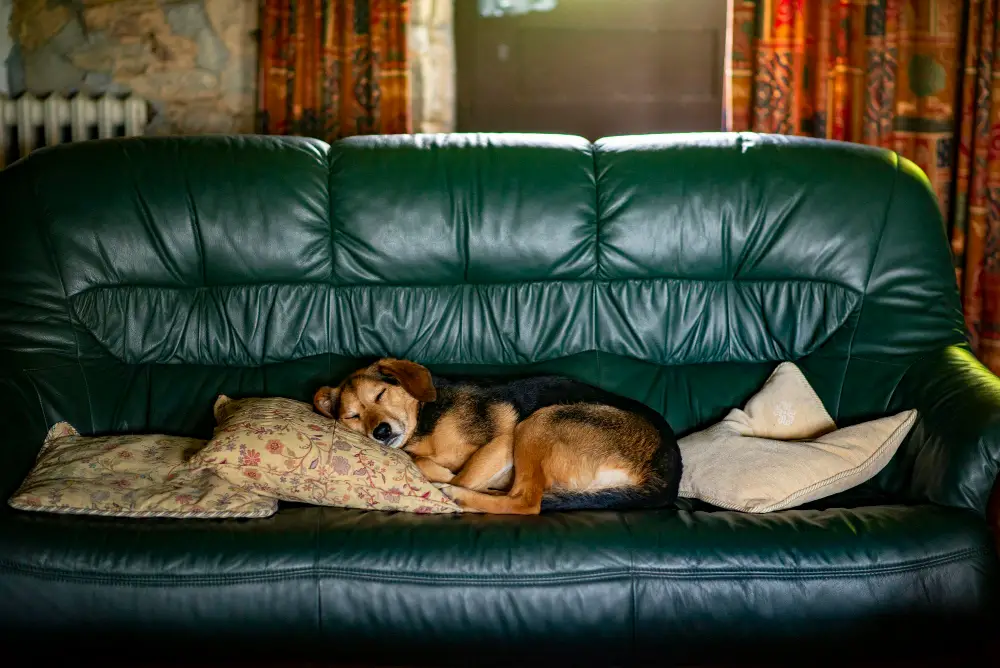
142 277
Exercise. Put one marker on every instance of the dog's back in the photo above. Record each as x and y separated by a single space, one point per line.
578 404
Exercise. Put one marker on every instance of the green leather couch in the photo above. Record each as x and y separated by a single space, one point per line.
140 278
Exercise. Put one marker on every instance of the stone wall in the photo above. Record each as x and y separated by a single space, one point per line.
6 44
194 60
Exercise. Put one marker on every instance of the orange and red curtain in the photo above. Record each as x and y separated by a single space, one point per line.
333 68
921 77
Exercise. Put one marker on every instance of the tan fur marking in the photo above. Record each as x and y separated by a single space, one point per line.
449 447
433 471
551 452
489 466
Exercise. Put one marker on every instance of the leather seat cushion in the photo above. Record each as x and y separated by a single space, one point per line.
634 584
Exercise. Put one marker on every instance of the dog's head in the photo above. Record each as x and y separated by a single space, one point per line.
381 401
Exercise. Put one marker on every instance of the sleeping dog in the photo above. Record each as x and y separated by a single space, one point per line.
550 443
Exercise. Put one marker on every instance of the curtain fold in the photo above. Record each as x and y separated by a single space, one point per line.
915 76
432 65
333 68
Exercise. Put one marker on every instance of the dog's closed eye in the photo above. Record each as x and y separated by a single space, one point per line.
378 397
350 417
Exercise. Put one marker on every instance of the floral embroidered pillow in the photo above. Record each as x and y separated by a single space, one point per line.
283 449
130 476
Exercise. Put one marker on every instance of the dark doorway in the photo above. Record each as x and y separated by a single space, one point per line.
594 68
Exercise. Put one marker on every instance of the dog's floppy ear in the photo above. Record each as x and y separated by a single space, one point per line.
325 401
412 377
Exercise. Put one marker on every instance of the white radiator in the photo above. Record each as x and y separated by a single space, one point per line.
27 122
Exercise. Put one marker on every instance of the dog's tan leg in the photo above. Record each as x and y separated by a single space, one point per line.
433 471
532 445
489 466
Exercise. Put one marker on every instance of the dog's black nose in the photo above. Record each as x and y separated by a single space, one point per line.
383 432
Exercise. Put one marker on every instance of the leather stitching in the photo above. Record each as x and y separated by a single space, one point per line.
600 575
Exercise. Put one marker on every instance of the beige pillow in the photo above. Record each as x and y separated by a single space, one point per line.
784 450
283 449
130 476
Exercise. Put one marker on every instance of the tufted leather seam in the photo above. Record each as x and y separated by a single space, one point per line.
95 334
395 577
331 159
195 219
597 213
70 311
594 320
420 286
864 293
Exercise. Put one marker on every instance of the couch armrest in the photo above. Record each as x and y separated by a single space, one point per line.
952 455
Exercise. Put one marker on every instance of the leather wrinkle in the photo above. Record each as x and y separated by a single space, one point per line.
475 205
199 238
213 293
490 284
864 293
727 240
153 233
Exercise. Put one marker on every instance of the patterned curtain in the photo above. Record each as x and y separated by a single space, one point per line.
333 68
921 77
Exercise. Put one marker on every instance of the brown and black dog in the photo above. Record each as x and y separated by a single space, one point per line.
552 443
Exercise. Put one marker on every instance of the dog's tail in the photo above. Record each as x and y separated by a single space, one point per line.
623 498
659 490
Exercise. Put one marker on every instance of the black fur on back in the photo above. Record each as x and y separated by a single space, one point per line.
528 395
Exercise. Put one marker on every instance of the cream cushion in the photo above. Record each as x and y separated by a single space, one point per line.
784 450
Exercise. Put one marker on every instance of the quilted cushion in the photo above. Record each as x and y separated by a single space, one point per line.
595 588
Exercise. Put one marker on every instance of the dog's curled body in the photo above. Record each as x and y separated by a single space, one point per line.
516 446
656 458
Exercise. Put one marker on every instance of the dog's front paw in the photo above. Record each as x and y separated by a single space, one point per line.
454 492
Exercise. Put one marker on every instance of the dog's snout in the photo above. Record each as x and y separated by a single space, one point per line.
382 432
